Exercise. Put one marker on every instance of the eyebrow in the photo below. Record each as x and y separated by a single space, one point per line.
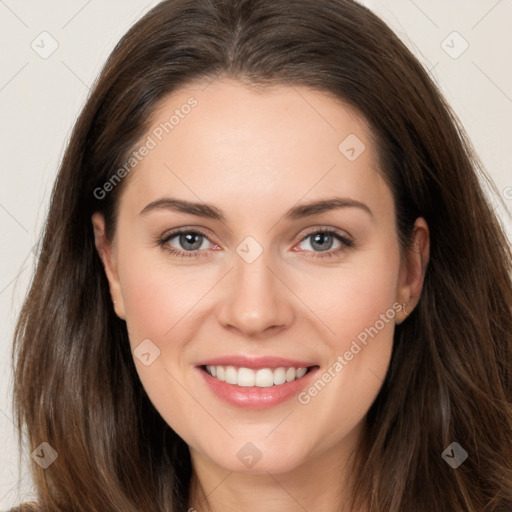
296 212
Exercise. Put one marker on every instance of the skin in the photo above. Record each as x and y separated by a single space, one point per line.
255 154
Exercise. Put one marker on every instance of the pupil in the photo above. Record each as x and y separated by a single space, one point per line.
188 239
320 239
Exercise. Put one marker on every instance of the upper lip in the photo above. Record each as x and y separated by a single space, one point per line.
242 361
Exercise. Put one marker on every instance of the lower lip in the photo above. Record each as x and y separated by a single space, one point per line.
255 397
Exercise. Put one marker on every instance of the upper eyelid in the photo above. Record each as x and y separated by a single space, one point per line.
172 234
340 232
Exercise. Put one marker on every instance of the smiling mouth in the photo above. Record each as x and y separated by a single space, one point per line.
261 378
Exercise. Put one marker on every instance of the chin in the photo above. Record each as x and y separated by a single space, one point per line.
262 456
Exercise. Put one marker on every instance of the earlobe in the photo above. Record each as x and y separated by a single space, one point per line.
107 256
415 267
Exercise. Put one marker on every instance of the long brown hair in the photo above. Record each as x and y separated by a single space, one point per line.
450 376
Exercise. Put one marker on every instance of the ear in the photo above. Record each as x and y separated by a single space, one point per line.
414 267
107 253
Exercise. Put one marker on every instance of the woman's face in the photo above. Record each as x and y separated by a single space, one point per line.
288 262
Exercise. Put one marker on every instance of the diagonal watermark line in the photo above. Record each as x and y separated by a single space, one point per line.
14 76
216 487
13 279
431 68
17 484
313 108
492 81
304 195
10 419
210 82
167 166
486 14
430 71
375 374
286 491
16 427
76 14
13 218
193 306
75 74
199 403
282 421
301 300
424 13
13 13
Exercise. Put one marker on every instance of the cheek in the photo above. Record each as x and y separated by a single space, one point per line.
160 296
352 297
161 301
359 308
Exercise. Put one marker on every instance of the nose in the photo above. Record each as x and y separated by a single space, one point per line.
256 300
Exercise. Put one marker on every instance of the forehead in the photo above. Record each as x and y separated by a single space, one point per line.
256 148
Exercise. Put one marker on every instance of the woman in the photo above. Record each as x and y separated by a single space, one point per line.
269 279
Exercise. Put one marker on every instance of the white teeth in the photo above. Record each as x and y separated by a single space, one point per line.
231 375
290 374
279 376
301 372
245 377
262 378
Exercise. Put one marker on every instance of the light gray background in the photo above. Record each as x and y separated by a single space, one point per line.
41 97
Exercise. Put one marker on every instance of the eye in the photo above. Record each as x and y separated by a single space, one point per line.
193 243
185 243
322 241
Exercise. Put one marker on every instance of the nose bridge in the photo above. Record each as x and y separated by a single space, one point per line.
256 299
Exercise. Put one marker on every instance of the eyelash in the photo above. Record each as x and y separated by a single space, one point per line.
162 242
